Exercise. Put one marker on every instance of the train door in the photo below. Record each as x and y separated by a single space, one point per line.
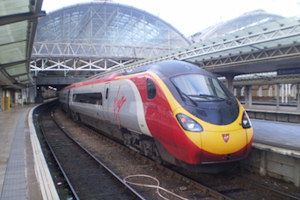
100 99
159 113
152 111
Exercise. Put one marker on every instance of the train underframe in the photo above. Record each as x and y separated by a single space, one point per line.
147 145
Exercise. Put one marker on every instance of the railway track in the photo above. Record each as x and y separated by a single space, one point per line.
237 185
86 175
152 180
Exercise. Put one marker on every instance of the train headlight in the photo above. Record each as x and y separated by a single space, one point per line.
245 121
188 124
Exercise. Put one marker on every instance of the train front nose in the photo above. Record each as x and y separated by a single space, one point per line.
222 143
224 146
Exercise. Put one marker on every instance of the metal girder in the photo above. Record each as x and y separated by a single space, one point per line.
282 42
271 80
20 17
60 64
87 50
253 56
58 80
13 63
9 81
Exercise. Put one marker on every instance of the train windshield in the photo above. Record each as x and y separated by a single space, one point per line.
200 87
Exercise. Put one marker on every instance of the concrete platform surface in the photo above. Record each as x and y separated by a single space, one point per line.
19 168
279 134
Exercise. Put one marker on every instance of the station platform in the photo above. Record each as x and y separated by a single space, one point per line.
276 126
20 163
279 134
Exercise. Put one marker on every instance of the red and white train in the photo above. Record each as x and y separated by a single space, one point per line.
170 111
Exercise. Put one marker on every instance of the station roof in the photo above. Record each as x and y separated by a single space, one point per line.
262 48
272 46
104 30
18 21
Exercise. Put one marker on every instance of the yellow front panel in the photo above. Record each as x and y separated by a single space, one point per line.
215 143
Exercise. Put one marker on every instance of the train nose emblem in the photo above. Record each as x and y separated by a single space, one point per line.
225 137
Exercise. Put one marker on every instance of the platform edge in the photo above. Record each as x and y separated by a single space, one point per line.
42 172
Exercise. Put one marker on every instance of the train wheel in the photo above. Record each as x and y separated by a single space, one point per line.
149 149
75 117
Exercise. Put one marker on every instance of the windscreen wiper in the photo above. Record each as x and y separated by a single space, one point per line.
207 96
183 94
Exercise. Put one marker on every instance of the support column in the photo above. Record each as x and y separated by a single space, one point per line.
1 100
39 95
31 94
238 92
298 96
229 81
6 100
277 86
248 95
263 163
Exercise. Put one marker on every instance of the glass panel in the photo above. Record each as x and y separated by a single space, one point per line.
15 70
151 89
22 78
13 7
13 32
199 86
90 98
108 24
13 52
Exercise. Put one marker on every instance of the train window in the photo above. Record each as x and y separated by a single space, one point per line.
90 98
151 89
199 87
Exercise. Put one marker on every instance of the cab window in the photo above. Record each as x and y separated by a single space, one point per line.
151 89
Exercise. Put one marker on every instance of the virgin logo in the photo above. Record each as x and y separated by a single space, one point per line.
225 137
118 103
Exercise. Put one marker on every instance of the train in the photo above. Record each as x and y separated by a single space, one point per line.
170 111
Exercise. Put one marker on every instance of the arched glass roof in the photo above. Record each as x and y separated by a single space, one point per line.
108 24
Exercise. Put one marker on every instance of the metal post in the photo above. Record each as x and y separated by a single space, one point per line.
250 95
246 96
238 92
229 80
298 97
1 100
277 86
263 163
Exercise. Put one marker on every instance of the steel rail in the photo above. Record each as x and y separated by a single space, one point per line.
114 175
262 187
58 162
109 171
